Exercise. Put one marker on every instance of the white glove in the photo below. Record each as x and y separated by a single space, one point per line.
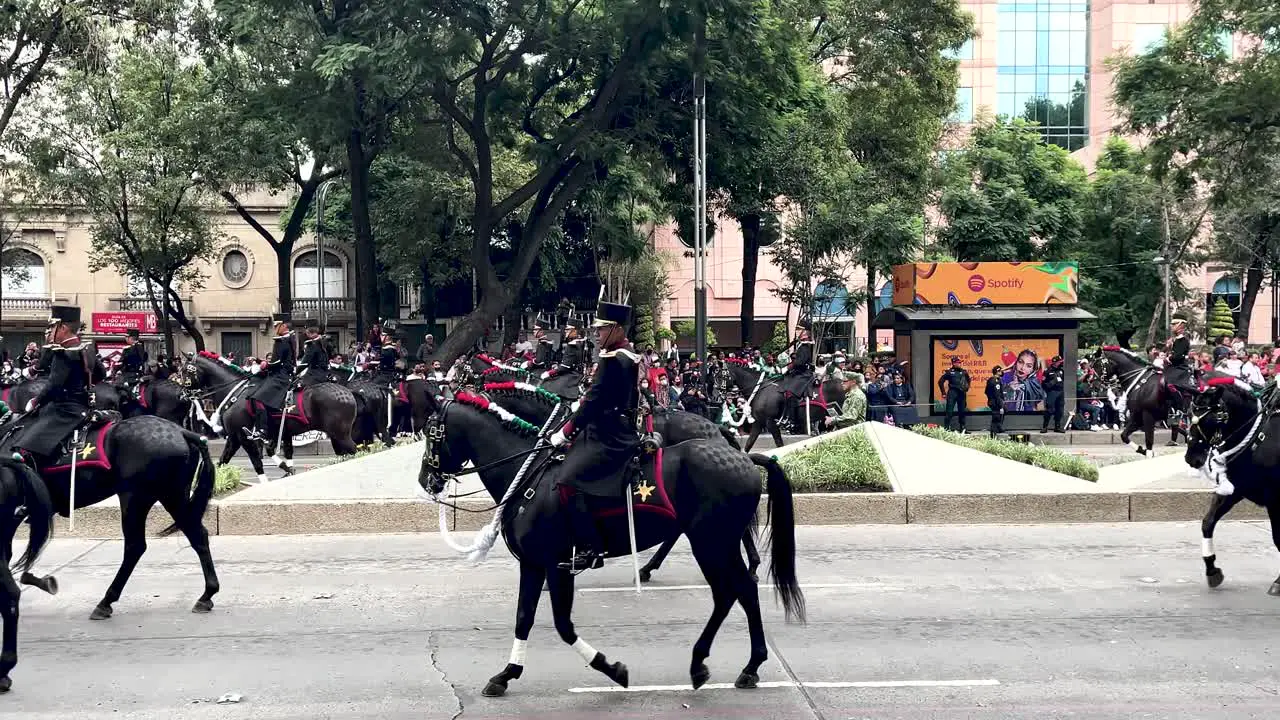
558 439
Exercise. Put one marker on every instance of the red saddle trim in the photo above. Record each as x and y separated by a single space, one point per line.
300 416
101 463
662 506
1219 381
4 395
142 394
403 394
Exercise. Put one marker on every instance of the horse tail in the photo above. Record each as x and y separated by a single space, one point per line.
782 538
730 436
39 511
202 492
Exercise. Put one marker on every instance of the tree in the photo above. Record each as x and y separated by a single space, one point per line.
1008 196
1220 322
1122 235
123 143
1212 126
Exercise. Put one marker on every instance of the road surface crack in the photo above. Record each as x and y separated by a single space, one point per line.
435 665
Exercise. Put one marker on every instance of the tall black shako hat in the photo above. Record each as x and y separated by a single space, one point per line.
611 313
133 333
66 314
278 318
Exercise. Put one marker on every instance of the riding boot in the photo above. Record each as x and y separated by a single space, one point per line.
586 536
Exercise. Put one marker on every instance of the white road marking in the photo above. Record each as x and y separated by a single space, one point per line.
805 586
983 682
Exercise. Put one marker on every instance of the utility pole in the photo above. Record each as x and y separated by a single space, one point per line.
700 185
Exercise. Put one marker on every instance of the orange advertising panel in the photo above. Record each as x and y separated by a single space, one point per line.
986 283
1021 360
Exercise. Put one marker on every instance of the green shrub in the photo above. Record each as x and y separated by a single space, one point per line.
1037 455
849 463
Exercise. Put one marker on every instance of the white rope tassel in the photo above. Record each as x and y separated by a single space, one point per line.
484 540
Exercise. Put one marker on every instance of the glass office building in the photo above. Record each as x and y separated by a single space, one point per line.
1042 67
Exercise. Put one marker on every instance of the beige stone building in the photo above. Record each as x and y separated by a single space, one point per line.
233 309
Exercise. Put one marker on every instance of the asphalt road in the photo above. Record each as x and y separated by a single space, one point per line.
1102 621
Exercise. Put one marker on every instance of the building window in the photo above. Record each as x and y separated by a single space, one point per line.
304 276
1147 37
239 344
1227 288
137 287
24 274
1042 72
964 52
963 112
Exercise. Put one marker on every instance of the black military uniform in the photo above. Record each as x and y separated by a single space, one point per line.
133 361
387 357
597 463
64 404
1054 385
573 353
995 400
545 353
954 385
1178 372
315 361
274 389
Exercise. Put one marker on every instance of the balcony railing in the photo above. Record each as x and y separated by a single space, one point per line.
332 307
141 304
25 306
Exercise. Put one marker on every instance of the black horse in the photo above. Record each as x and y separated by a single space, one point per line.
1233 432
162 398
766 399
1141 385
143 460
702 488
535 405
23 496
327 407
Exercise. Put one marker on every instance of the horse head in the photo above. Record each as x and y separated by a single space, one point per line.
1115 364
1220 413
476 429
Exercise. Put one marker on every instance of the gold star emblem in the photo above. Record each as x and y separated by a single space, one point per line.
87 451
643 490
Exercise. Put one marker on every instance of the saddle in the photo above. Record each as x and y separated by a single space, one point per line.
88 452
649 498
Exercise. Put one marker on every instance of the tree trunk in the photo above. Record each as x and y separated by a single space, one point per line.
166 313
180 314
471 328
284 279
750 264
1252 284
366 262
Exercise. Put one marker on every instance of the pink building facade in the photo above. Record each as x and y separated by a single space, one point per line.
1043 59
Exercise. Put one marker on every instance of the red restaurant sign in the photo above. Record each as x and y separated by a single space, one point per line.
116 323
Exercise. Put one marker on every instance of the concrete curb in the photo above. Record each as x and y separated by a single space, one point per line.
416 516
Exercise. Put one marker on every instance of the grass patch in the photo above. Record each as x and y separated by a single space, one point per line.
1040 456
226 480
849 463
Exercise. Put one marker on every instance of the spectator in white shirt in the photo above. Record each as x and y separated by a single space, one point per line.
1231 364
1251 371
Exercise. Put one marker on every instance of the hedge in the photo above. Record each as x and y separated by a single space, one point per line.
1039 456
848 463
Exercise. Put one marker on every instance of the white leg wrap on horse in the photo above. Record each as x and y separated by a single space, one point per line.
585 650
275 459
263 479
288 463
1206 547
1225 487
517 652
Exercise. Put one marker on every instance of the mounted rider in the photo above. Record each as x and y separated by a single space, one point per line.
799 374
133 361
65 404
315 358
597 464
545 350
279 377
388 355
1178 371
573 347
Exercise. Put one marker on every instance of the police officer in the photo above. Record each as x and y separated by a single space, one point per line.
133 360
995 400
64 404
315 358
954 386
597 463
1054 384
279 377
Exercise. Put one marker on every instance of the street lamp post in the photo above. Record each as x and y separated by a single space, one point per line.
700 188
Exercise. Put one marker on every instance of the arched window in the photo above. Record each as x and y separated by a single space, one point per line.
24 274
830 300
884 298
304 276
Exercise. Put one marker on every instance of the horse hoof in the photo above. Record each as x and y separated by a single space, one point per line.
494 688
1274 590
203 606
747 681
618 673
700 676
645 575
100 613
1216 577
51 584
5 684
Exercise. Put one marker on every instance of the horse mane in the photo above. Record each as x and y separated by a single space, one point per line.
493 373
738 361
541 395
1228 381
508 419
221 360
1126 352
